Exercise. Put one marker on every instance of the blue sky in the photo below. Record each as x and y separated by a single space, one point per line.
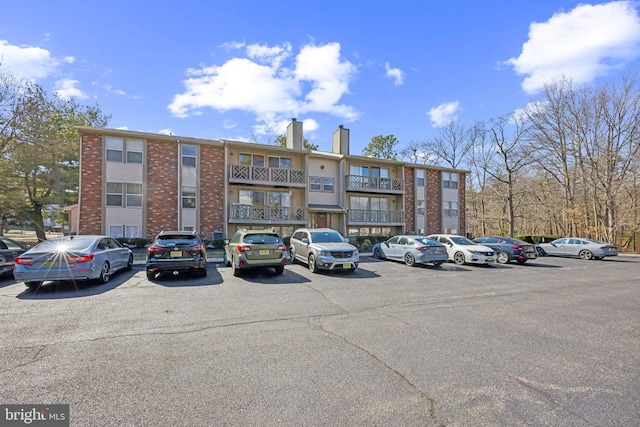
242 69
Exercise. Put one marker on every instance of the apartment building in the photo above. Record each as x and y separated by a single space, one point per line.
135 184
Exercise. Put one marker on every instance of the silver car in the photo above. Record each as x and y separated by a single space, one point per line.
579 247
323 249
412 250
72 258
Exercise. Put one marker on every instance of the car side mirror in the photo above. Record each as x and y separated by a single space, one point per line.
305 241
345 239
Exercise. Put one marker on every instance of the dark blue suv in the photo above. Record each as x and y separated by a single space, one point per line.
509 249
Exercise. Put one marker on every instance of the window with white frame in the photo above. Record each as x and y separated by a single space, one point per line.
279 162
134 195
420 177
115 147
115 231
134 151
114 194
188 197
189 155
128 231
318 183
420 207
451 209
373 171
450 179
188 228
246 159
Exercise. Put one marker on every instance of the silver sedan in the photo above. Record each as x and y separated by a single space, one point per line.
412 250
72 258
579 247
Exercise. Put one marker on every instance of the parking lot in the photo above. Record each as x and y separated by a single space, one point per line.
553 342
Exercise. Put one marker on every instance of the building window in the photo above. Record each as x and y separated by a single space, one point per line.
114 149
451 209
373 171
420 206
114 194
280 162
251 159
128 231
134 195
450 180
420 177
321 184
188 228
189 154
189 197
134 151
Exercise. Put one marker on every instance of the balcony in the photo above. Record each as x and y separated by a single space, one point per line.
375 184
366 217
267 215
271 176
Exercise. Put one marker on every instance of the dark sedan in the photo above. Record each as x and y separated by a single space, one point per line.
509 249
9 250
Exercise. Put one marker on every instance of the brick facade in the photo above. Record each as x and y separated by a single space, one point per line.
161 186
90 198
434 202
409 200
212 189
461 203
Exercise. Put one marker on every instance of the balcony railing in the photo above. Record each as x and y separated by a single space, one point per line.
365 183
252 213
375 217
261 174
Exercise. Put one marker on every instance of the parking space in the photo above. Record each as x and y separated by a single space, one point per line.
553 342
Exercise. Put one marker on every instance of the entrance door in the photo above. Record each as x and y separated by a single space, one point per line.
321 220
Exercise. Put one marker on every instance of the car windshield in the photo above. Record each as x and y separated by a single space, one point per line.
458 240
64 245
262 239
326 237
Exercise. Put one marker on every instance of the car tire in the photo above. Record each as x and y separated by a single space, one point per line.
377 253
409 259
225 260
312 264
129 263
585 254
151 275
33 286
503 257
235 270
105 273
279 269
458 258
292 256
541 252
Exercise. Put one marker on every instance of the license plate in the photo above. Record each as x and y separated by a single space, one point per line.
436 251
490 259
264 251
346 265
531 255
49 264
176 254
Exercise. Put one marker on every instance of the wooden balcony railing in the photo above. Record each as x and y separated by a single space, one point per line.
377 217
244 173
252 213
358 182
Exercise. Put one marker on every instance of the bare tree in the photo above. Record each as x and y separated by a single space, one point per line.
451 145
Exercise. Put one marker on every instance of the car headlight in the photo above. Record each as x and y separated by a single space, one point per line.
475 252
325 253
356 252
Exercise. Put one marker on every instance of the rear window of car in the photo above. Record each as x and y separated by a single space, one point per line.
262 239
60 245
426 241
166 239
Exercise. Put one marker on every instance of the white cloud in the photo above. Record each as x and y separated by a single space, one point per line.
229 124
69 59
272 84
66 89
167 131
31 63
582 44
394 73
443 114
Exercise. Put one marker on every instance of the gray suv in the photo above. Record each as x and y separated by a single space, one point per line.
255 248
323 249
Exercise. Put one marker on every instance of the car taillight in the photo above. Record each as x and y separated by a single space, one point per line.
196 248
23 260
154 249
517 247
79 259
282 248
244 248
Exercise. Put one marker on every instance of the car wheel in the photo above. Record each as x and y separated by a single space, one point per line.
33 286
541 252
129 263
585 254
279 269
235 270
105 273
377 253
151 275
458 258
312 264
409 259
503 257
292 256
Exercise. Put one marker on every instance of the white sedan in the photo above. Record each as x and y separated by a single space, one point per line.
463 251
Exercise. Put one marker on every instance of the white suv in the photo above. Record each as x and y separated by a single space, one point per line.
323 249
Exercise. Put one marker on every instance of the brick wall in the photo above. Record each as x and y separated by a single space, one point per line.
162 186
409 200
462 204
434 201
90 197
212 196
